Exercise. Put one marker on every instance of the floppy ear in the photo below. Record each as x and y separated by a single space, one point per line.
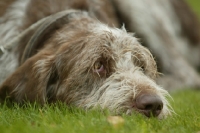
45 29
32 81
36 78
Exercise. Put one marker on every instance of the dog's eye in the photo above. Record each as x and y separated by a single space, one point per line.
99 68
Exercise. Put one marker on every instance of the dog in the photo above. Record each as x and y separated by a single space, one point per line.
70 51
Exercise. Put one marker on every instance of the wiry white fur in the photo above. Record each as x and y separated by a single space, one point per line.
9 25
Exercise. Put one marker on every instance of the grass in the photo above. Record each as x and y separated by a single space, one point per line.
60 118
195 4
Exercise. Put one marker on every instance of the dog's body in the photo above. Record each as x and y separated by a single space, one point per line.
72 57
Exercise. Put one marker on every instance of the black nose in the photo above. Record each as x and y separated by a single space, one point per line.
149 105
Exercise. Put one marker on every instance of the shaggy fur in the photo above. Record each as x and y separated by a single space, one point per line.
88 64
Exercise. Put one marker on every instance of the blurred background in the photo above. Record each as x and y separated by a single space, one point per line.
195 4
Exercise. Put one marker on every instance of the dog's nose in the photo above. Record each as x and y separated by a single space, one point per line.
149 105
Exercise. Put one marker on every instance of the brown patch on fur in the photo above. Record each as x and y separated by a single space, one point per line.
189 21
23 80
38 9
4 4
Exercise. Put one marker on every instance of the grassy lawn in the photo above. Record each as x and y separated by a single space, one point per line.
59 118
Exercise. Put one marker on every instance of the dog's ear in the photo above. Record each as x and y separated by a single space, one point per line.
36 78
44 28
32 81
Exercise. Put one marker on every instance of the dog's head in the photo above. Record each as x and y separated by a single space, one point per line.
88 64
